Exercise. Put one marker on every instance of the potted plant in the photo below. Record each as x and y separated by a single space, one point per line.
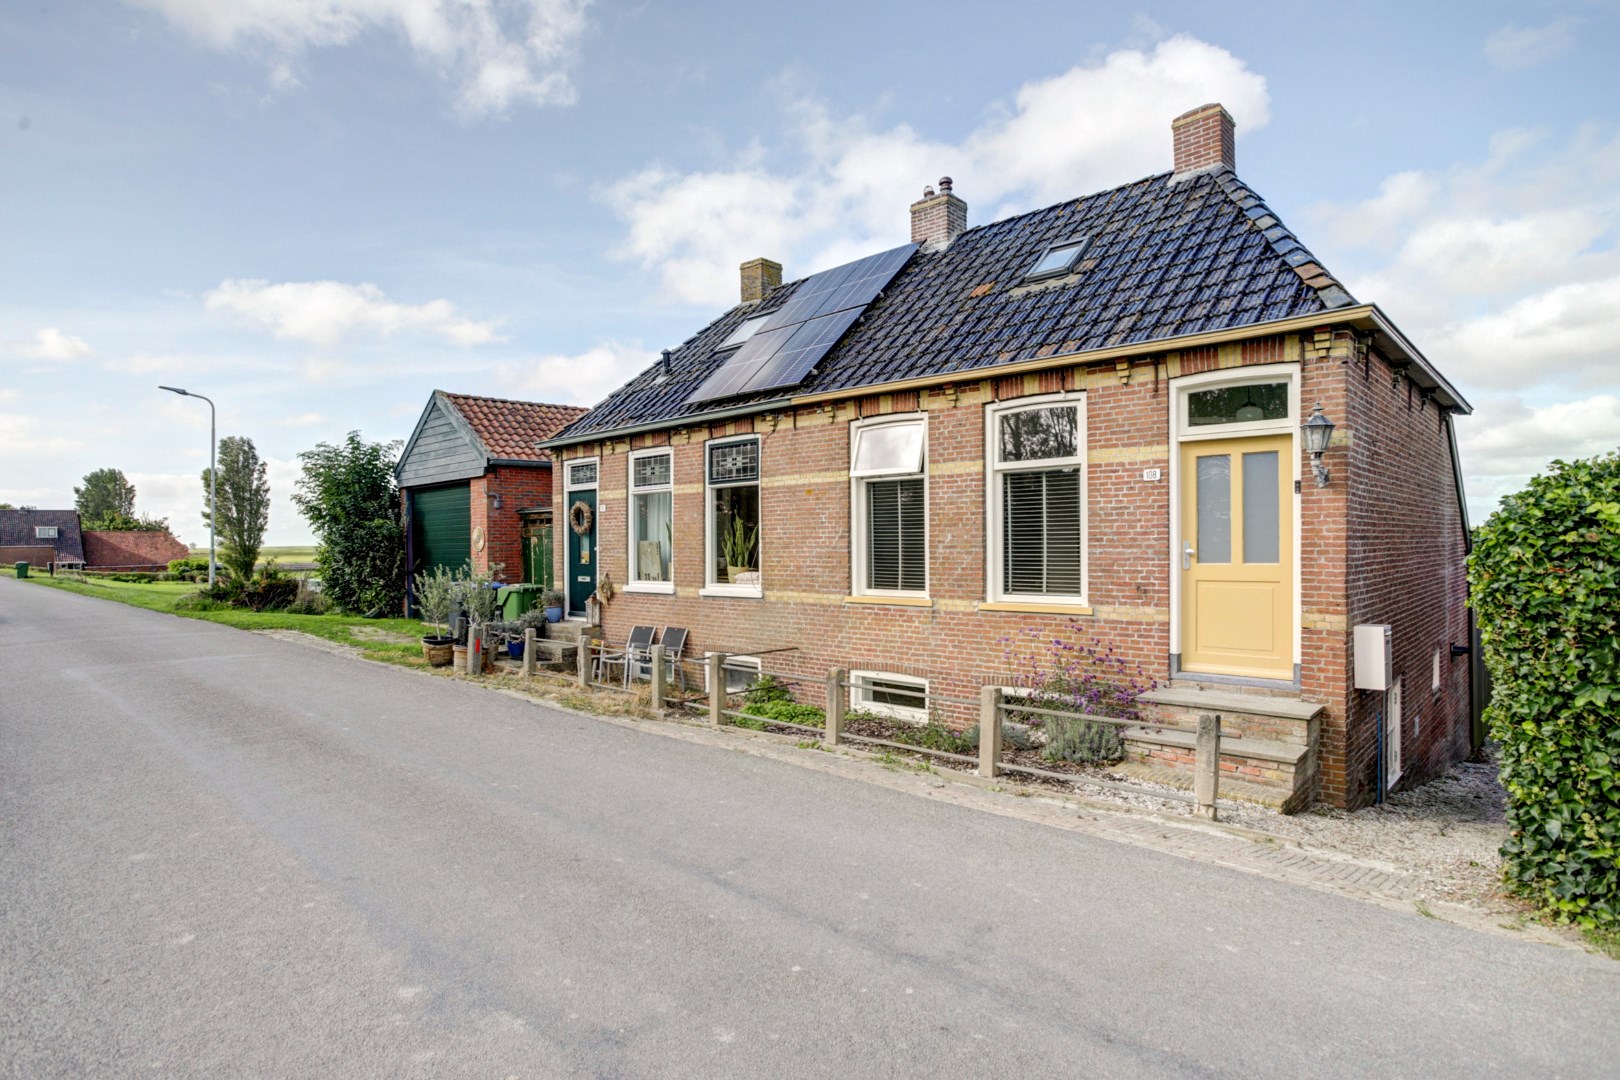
474 590
737 546
435 593
551 602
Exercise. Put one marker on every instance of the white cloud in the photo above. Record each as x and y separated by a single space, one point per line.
1507 442
497 52
148 364
582 379
9 393
20 436
51 344
844 187
1506 271
1514 48
323 312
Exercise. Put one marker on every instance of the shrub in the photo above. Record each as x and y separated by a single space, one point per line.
1083 742
310 603
1075 672
190 566
200 601
936 736
347 493
1543 578
764 690
787 712
263 593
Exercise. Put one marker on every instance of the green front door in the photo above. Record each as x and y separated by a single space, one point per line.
442 520
582 554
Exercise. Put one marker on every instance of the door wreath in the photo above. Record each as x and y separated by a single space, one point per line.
579 517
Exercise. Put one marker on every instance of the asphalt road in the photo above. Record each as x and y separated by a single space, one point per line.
224 855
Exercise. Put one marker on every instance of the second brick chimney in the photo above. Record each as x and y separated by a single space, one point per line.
1204 139
936 220
759 276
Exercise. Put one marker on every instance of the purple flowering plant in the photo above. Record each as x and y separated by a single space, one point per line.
1073 671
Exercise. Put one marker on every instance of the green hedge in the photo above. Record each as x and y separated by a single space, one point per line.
1545 582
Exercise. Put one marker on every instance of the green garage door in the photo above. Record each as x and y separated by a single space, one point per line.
442 520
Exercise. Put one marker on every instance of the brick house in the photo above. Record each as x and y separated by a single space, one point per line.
1084 420
474 487
41 538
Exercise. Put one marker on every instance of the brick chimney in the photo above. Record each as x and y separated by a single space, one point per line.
759 276
936 220
1204 139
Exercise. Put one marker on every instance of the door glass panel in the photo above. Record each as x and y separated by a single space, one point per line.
1261 527
1215 508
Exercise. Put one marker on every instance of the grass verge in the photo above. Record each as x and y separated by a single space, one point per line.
377 639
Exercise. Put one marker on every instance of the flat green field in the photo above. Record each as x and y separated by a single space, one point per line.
397 641
285 556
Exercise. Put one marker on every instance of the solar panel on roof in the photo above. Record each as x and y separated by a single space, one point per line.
792 339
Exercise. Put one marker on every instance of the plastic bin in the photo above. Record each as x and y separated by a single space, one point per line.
518 599
22 569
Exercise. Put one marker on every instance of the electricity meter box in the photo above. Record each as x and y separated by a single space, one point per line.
1375 656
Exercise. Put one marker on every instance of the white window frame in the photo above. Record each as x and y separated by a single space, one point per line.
860 555
860 695
568 476
1189 385
734 660
995 469
711 587
46 532
632 583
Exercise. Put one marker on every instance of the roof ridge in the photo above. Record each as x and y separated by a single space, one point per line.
1288 247
513 401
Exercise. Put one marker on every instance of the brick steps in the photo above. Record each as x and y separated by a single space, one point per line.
1268 741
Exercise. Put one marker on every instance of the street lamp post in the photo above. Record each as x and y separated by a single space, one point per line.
213 476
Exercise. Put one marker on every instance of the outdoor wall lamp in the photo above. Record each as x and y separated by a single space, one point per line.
495 499
1318 430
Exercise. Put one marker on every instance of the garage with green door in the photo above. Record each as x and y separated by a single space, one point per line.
441 526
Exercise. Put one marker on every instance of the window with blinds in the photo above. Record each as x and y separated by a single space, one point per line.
891 498
1039 489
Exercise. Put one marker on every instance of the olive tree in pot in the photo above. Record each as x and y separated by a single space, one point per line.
435 592
479 601
551 602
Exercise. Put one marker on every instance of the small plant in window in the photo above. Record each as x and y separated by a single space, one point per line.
737 545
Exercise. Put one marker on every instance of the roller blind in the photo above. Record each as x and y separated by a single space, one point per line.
896 535
1040 531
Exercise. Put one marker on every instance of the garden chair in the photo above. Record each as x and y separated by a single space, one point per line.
673 640
622 658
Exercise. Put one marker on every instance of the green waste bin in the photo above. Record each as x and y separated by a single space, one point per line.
517 599
22 569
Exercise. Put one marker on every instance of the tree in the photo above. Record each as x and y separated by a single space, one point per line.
106 494
244 505
119 522
348 495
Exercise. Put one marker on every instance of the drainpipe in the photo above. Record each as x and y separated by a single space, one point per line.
410 555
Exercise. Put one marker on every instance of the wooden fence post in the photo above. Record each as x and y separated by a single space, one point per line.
717 687
528 651
583 656
989 730
836 700
656 657
1207 764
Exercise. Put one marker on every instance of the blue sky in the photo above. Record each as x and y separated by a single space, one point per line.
317 211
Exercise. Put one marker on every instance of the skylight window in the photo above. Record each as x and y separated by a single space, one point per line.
1058 259
748 329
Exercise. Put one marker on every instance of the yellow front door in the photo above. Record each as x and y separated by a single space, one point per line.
1237 557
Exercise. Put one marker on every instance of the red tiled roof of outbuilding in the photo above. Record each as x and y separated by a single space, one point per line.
509 429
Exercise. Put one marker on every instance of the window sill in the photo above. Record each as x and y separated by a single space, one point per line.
1035 608
665 587
743 591
897 601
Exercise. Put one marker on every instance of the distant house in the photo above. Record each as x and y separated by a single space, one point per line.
41 538
475 488
1092 415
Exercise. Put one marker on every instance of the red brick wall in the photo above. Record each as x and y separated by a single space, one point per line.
1405 567
520 488
106 550
805 542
